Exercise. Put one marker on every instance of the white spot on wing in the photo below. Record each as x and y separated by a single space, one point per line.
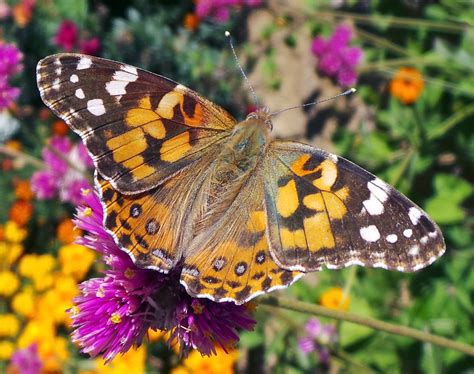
414 251
74 78
392 238
407 233
433 234
414 214
116 88
377 190
370 233
121 75
58 71
84 63
80 93
96 107
424 240
373 206
130 69
56 84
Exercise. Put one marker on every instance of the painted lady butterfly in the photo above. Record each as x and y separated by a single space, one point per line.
183 183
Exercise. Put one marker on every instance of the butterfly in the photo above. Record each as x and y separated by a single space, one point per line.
186 186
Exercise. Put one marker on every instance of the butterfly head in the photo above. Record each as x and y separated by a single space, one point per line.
262 115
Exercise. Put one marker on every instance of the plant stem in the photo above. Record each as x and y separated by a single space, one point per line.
413 23
402 168
452 121
409 61
22 156
382 42
365 321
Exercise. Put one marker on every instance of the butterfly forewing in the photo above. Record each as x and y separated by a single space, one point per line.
324 210
140 128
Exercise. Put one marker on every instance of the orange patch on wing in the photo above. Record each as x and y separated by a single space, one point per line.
318 232
196 119
292 239
145 118
256 222
287 199
334 206
297 166
175 148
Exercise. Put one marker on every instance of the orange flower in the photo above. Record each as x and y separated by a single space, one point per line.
60 128
191 21
23 190
67 231
407 85
13 145
334 298
21 211
22 12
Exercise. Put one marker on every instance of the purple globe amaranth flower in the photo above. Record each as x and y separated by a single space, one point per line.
318 339
10 64
64 176
336 58
113 313
27 360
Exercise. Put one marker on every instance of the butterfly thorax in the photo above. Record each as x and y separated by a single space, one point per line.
233 166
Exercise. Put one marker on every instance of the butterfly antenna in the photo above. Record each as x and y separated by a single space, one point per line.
255 99
345 93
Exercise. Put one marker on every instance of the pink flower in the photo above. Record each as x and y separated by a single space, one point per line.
64 177
10 64
66 36
220 9
336 58
89 46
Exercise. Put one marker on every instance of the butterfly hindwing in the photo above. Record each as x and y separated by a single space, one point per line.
140 128
230 261
325 210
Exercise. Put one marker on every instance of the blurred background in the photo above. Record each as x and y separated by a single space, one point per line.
411 122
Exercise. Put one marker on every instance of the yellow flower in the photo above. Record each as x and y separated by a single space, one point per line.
53 350
38 268
6 350
9 252
56 301
132 362
9 283
407 85
76 260
23 303
9 325
53 353
34 331
14 233
222 363
334 298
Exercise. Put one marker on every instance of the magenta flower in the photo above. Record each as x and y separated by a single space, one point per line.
220 9
336 58
318 338
113 313
66 36
64 176
27 360
89 46
10 64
